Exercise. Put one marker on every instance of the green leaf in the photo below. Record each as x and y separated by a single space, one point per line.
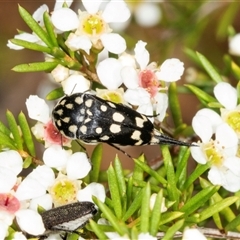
50 29
169 217
234 224
198 200
7 142
108 214
36 67
173 193
34 26
55 94
145 210
181 169
209 68
31 46
114 191
26 132
27 162
199 170
200 94
173 229
235 70
150 171
14 129
97 230
156 214
217 207
175 105
4 129
96 160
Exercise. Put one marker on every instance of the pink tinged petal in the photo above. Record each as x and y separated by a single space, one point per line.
214 119
11 160
234 45
171 70
93 189
7 179
147 14
113 42
116 11
91 6
60 73
198 154
37 109
78 166
30 222
226 137
56 157
9 203
233 164
130 77
22 36
109 73
202 127
141 54
226 95
75 83
59 3
75 42
65 19
38 14
138 96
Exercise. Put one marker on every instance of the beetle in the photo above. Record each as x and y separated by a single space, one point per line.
67 218
86 117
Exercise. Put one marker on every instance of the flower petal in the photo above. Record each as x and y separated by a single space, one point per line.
75 42
130 77
113 42
234 45
75 83
37 109
59 3
30 222
171 70
161 105
233 163
7 179
60 73
116 11
65 19
226 95
78 166
109 73
92 6
38 14
93 189
141 54
198 154
44 201
137 97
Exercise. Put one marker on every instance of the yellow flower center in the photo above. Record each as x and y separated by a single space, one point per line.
93 25
113 97
233 120
64 191
213 154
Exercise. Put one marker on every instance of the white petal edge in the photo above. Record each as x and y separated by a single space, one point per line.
226 95
113 42
141 54
7 179
91 6
130 77
65 19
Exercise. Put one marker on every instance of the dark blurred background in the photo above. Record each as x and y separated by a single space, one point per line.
199 25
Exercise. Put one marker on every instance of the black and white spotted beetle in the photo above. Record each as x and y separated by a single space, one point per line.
91 119
68 218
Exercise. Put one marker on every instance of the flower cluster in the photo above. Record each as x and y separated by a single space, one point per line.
222 151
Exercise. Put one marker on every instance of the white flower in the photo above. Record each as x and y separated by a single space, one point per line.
44 130
163 207
60 73
193 233
234 45
92 27
227 96
225 168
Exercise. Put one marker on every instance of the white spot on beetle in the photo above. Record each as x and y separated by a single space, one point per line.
89 113
136 135
103 108
115 128
69 106
78 100
139 122
98 130
104 138
111 104
59 112
118 117
66 119
59 123
63 102
83 129
89 103
73 129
